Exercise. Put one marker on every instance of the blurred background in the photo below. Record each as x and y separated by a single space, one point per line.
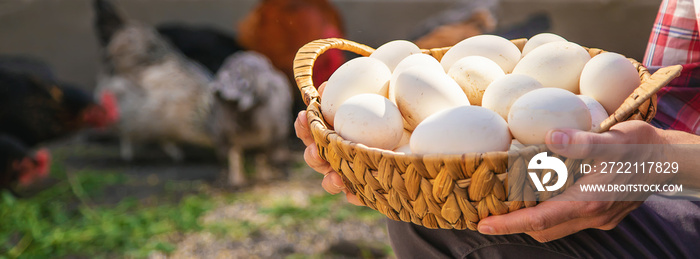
129 134
61 31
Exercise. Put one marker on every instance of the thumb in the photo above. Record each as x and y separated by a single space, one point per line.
575 143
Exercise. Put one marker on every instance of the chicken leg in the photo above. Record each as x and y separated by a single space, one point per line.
236 173
173 151
126 148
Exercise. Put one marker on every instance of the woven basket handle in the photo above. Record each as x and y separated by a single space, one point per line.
646 91
307 55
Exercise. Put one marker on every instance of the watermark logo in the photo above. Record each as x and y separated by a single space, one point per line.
542 161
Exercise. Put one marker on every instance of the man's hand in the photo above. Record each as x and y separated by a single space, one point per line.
563 215
332 181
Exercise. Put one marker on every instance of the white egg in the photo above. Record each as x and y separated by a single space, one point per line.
421 93
496 48
391 53
405 149
609 78
405 137
555 64
357 76
460 130
474 74
598 114
423 60
370 119
541 110
502 92
539 40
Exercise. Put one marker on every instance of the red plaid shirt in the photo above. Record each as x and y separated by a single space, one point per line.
674 40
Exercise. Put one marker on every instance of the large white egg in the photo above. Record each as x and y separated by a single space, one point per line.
391 53
539 40
405 137
541 110
357 76
496 48
422 92
404 149
598 113
459 130
474 74
424 60
370 119
555 64
609 78
503 92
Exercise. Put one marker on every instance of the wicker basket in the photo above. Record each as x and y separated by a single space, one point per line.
444 191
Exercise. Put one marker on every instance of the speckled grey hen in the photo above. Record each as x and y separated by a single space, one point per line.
162 96
252 102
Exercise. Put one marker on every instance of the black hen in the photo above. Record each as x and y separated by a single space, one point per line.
18 165
207 46
36 111
27 65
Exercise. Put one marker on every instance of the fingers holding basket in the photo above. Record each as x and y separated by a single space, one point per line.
352 198
539 218
603 215
312 158
608 146
332 182
554 219
301 126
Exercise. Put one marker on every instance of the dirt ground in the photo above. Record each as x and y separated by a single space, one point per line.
248 231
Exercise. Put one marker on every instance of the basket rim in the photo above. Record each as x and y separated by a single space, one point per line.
318 47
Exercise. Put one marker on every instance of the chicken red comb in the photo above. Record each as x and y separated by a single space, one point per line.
33 168
109 103
43 161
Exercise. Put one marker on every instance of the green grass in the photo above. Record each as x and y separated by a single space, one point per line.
321 206
60 222
70 218
283 213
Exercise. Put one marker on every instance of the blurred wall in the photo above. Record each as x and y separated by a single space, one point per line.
61 32
621 26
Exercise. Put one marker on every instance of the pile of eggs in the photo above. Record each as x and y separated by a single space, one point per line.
482 96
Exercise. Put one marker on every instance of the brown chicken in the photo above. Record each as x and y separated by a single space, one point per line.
471 18
480 22
278 28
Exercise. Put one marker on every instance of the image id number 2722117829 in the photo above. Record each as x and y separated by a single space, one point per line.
630 168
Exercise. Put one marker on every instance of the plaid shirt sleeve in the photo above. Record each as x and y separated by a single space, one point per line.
674 40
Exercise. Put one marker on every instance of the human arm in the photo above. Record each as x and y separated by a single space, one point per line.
562 215
332 182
